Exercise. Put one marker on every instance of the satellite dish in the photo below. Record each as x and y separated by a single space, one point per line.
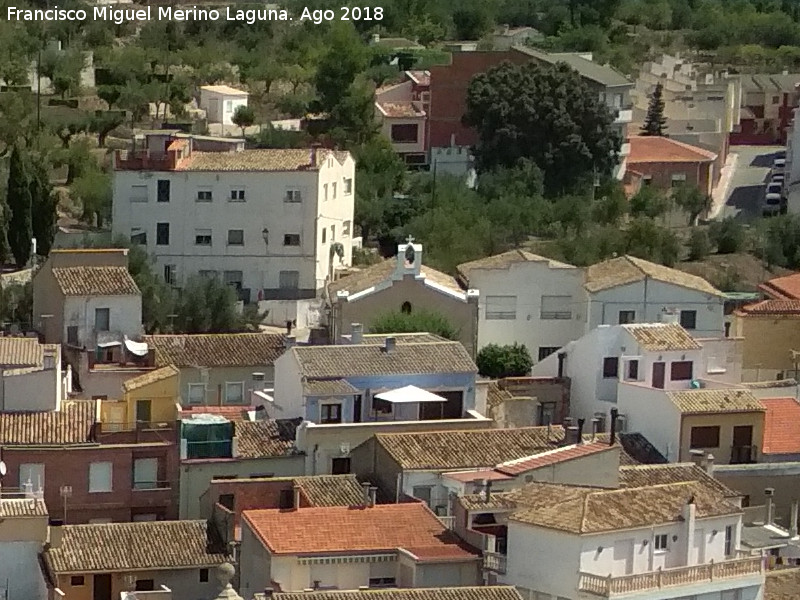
3 469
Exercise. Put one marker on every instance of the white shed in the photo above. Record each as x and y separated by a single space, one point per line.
220 102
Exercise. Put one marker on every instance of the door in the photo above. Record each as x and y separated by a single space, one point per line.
623 557
143 411
102 587
742 444
357 409
658 375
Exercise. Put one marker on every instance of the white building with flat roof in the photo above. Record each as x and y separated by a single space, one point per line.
220 102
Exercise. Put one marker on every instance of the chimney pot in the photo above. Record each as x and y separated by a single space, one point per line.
296 500
614 417
487 489
373 496
769 506
389 344
366 494
356 333
581 423
793 522
268 592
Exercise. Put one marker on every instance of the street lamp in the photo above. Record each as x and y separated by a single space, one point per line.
65 491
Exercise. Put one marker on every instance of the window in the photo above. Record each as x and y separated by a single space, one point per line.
556 307
610 367
237 195
162 234
138 193
728 540
627 316
333 191
405 308
660 543
138 236
228 106
197 393
501 308
202 237
545 351
689 319
233 279
776 99
145 473
378 582
293 196
72 335
234 392
291 239
102 319
325 192
324 232
347 186
169 274
346 229
405 134
144 585
330 413
76 580
680 370
227 500
705 437
163 190
289 280
100 477
203 575
340 465
647 179
286 499
235 237
32 473
677 179
204 195
633 370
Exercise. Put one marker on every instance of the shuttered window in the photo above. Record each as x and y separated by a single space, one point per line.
501 308
556 307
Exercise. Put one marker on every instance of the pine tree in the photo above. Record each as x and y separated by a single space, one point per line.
20 230
45 203
655 122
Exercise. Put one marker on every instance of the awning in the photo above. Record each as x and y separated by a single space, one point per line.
137 348
409 395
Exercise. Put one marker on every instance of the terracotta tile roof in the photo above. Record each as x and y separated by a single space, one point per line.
22 507
379 339
362 360
782 288
73 424
216 349
265 438
771 307
647 475
257 160
325 387
655 149
443 450
135 546
662 336
331 490
372 276
589 510
401 110
715 401
154 376
499 592
763 385
780 584
552 457
20 352
781 426
380 528
95 281
505 260
624 270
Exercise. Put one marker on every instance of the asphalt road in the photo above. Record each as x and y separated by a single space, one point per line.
747 182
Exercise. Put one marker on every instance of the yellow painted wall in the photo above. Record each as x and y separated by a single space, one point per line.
768 340
163 396
726 423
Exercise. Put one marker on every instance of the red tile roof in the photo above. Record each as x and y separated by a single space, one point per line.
654 149
381 528
772 307
781 426
783 288
551 457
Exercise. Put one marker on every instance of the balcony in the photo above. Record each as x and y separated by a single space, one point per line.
495 562
609 587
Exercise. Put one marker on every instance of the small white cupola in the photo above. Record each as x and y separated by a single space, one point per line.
409 259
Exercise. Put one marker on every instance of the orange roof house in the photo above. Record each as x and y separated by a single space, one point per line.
782 288
781 427
665 163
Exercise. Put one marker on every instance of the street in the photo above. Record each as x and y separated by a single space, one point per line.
746 189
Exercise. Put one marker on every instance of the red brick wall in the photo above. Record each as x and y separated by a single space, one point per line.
696 173
449 85
70 467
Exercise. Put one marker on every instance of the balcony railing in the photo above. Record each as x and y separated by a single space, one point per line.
145 486
448 522
495 562
653 580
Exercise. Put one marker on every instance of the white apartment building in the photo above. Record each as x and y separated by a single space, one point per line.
220 102
274 224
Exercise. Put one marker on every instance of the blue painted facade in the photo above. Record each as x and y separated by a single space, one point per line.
442 382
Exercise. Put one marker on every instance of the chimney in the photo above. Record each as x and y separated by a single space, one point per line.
670 315
595 427
365 494
614 417
708 464
487 490
581 422
289 341
314 148
268 592
55 533
356 333
373 496
769 506
389 345
571 436
793 519
288 328
698 457
562 357
689 517
296 501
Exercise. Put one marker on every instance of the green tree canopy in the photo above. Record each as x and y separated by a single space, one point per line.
19 199
416 321
504 361
655 121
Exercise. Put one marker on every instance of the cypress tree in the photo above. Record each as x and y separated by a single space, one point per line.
20 230
45 202
655 122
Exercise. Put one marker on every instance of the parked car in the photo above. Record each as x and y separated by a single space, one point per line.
780 154
778 178
772 205
779 164
774 187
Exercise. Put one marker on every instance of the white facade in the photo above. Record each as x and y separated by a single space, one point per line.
554 562
274 239
87 313
220 102
36 389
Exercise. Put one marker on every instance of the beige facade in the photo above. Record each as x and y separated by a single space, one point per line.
729 449
23 532
769 340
